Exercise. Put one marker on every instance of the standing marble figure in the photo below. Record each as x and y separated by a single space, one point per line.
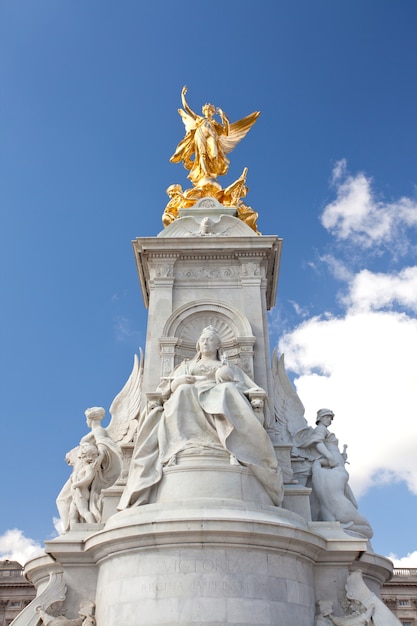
96 465
329 477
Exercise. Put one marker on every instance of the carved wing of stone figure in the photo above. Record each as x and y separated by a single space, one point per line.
237 131
288 408
125 408
356 589
54 591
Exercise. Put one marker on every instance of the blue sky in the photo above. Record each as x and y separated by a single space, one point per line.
88 120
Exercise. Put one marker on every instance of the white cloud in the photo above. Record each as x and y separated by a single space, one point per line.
302 312
337 267
14 546
372 291
406 561
123 328
362 364
59 528
359 216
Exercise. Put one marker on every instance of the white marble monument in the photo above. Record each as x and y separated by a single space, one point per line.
209 499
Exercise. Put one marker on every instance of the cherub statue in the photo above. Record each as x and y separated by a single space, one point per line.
85 470
96 465
176 200
179 199
97 460
208 141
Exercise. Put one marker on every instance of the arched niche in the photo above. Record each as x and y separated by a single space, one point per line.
185 324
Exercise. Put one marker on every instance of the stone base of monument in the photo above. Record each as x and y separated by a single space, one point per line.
208 561
209 549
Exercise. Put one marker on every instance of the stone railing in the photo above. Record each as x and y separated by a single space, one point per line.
404 571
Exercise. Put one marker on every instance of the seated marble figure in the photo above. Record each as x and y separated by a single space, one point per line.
205 404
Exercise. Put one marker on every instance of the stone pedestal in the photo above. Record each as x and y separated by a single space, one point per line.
205 564
208 474
202 561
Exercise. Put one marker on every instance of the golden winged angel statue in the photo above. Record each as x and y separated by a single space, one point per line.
207 142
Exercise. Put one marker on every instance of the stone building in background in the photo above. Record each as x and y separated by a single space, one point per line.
400 595
15 591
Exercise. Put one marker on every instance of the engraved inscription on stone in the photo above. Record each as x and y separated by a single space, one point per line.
201 566
204 586
204 577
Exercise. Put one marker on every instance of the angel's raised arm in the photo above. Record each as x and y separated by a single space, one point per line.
185 103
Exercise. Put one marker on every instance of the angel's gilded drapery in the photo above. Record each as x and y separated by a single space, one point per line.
207 142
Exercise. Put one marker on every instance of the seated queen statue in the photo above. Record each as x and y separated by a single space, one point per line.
206 406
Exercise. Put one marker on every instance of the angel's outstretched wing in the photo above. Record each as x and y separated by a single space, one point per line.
125 408
288 408
237 131
190 122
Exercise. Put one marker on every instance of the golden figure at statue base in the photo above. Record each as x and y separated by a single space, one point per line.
203 151
232 196
229 197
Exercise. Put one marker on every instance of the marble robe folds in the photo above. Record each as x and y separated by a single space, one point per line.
204 414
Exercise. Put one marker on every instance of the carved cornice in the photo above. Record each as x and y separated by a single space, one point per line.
238 251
